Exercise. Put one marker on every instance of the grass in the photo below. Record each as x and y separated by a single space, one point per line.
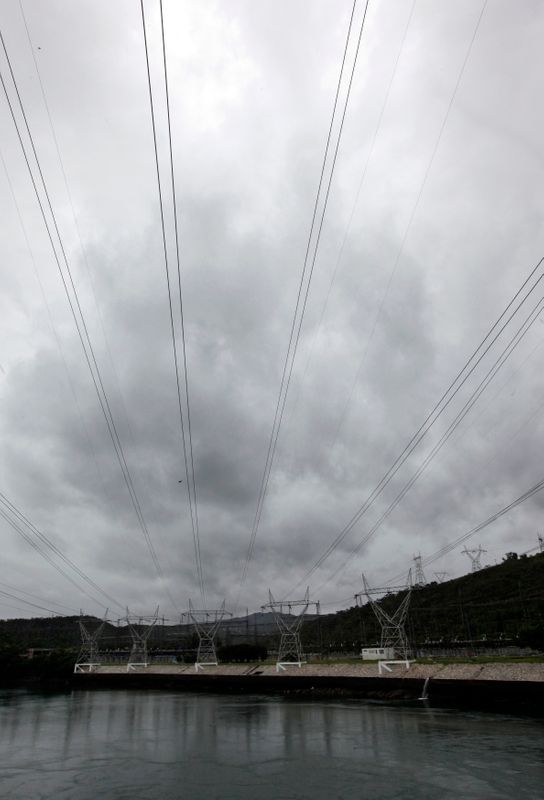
538 659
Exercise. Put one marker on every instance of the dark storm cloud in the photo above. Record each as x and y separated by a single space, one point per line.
252 87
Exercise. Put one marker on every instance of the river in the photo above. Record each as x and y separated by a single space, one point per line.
89 745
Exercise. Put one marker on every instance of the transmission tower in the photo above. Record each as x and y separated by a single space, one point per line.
419 578
290 649
541 543
441 576
89 656
140 629
475 555
393 626
206 622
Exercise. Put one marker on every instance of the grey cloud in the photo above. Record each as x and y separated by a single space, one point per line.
252 88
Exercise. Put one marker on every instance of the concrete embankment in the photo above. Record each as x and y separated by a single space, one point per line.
501 687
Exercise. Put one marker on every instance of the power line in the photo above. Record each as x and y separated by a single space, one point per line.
29 603
361 182
80 323
537 487
11 508
52 322
518 336
182 318
36 597
76 222
494 397
409 224
188 456
302 295
444 401
44 554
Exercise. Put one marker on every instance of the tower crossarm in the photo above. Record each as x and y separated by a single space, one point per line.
289 625
206 622
392 624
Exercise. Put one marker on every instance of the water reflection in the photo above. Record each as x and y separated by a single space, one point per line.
161 745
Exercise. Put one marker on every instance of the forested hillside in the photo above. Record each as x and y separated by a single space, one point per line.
497 604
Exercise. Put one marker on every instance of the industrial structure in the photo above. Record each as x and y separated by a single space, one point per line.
89 654
206 623
393 640
419 577
290 648
140 636
475 556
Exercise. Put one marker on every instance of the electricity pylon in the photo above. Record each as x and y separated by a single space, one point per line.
140 637
541 543
290 649
420 579
441 576
393 633
89 653
475 555
206 622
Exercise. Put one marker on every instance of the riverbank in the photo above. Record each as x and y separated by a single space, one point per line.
498 687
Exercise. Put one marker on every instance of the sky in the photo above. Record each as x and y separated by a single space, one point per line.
433 221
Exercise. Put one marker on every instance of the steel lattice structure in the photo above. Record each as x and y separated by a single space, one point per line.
393 626
475 556
206 622
89 654
419 578
290 650
140 637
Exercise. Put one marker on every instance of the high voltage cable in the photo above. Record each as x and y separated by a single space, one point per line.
410 223
302 295
444 401
40 550
76 223
516 339
80 323
11 508
28 603
36 597
361 182
52 323
188 456
520 333
494 397
182 318
537 487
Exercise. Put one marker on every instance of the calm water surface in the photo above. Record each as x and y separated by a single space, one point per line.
120 745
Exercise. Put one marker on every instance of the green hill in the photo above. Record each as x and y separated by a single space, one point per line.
497 605
502 603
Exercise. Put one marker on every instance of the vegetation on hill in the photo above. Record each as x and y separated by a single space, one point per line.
498 604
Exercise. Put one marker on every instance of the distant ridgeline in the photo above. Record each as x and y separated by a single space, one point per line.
503 603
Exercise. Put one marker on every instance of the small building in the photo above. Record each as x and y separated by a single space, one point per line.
378 653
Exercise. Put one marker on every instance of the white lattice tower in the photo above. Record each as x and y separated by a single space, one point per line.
393 626
290 649
475 555
419 577
441 576
206 623
89 655
140 637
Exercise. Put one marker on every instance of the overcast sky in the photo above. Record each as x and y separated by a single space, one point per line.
433 222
